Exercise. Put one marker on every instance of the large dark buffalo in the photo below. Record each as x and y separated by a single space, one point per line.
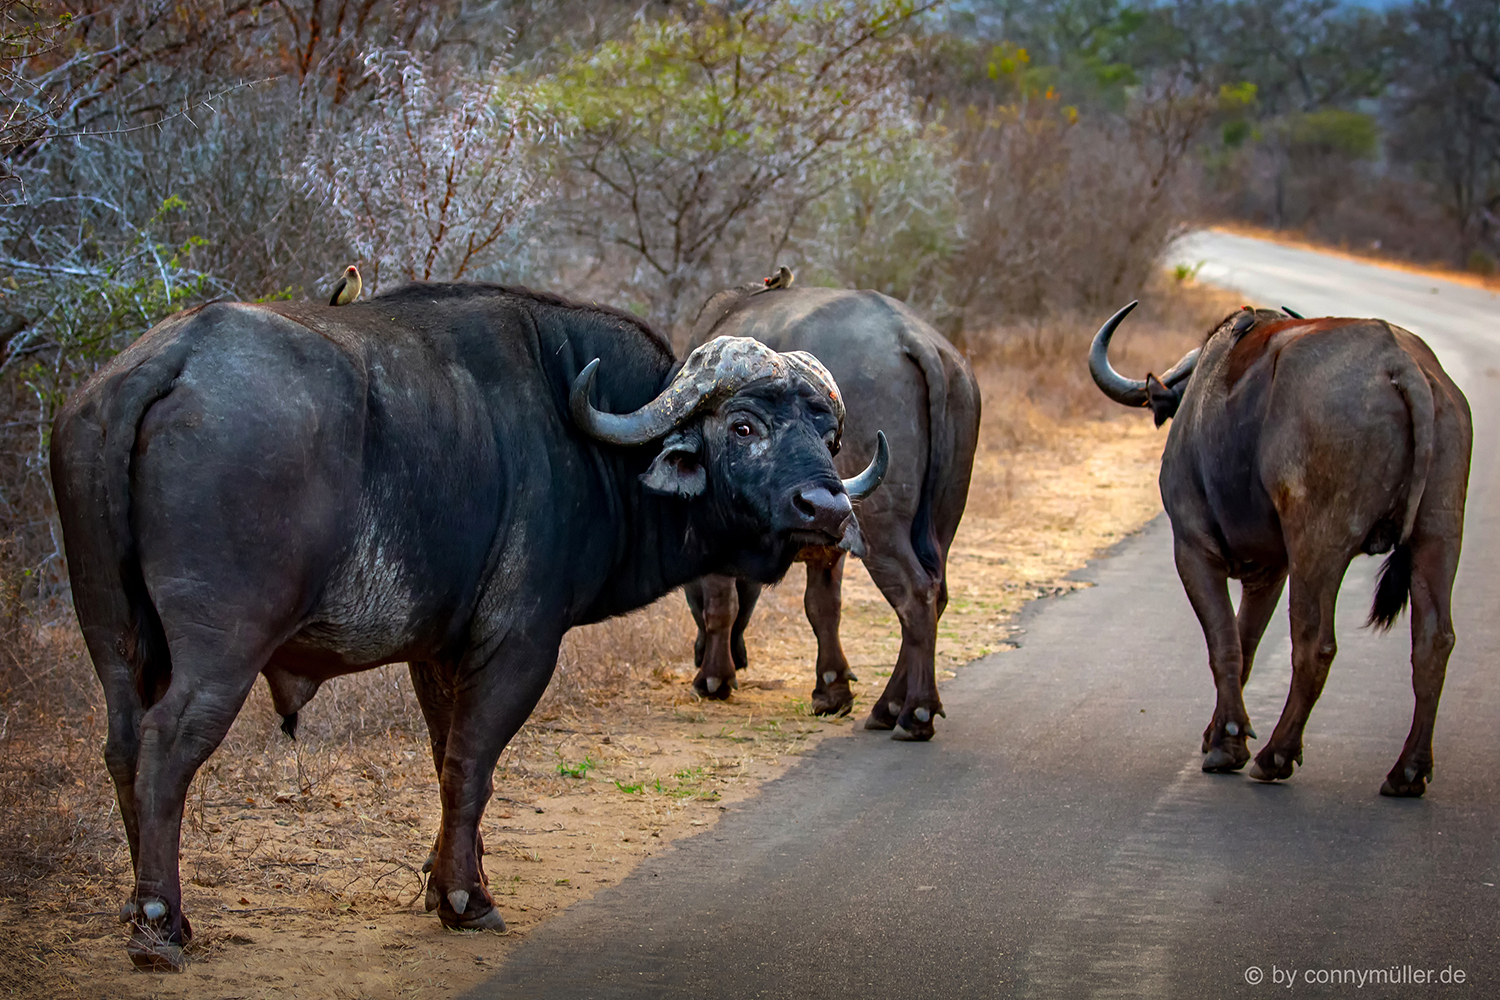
1297 445
899 375
302 491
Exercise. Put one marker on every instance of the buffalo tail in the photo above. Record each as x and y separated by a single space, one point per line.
1392 589
924 538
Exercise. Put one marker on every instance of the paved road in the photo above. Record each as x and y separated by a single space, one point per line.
1058 838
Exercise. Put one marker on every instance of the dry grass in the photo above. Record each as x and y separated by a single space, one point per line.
320 841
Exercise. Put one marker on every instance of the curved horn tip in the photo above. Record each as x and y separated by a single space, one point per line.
583 388
862 485
1126 391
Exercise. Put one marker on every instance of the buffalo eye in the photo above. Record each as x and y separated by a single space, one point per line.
743 429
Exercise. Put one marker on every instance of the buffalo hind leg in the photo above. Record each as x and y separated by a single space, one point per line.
823 603
714 603
1314 601
1257 603
910 701
177 734
1207 587
491 699
1434 562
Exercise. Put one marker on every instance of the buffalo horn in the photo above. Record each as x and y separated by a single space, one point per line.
1181 370
865 483
650 422
1129 391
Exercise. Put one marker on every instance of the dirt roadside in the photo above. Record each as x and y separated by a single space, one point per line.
309 885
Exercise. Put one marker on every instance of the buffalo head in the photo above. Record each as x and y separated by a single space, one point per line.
748 435
1162 394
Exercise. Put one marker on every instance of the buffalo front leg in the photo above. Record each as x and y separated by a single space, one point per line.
1313 603
714 602
1434 562
492 697
1207 587
823 601
433 682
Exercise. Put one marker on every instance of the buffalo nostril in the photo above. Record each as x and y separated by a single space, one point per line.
823 509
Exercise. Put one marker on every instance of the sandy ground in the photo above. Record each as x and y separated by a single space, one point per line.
309 884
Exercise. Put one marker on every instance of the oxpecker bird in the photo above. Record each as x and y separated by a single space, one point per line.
347 289
783 278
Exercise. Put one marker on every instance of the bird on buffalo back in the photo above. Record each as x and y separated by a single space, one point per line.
783 278
346 290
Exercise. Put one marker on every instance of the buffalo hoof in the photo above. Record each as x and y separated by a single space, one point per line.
883 716
154 945
834 699
716 688
1406 783
489 920
1228 756
155 955
1274 765
461 910
917 725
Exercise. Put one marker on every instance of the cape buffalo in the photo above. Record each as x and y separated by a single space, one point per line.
1297 445
897 373
302 491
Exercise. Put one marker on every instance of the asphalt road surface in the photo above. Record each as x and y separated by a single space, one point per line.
1058 839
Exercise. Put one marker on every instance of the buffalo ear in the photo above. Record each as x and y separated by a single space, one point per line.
1164 401
677 471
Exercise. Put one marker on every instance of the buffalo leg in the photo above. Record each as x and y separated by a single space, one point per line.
910 701
1207 587
749 595
491 699
1314 601
1434 562
823 603
1257 604
211 676
433 683
714 602
122 743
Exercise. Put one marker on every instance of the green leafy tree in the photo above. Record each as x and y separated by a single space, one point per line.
698 142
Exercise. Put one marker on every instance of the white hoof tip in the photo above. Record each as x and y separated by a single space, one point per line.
154 910
459 900
829 676
1233 729
712 684
922 715
1411 774
894 707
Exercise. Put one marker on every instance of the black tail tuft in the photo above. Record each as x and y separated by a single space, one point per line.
289 725
1392 589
